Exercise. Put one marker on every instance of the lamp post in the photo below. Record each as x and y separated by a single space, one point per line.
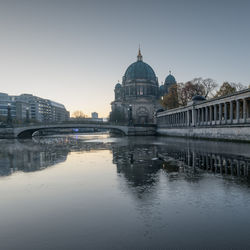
130 119
27 115
9 118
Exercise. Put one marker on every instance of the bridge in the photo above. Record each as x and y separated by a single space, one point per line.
27 131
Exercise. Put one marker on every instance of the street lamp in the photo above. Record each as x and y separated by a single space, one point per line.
130 119
9 118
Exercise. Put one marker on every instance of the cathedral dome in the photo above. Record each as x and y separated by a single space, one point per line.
170 80
140 71
118 85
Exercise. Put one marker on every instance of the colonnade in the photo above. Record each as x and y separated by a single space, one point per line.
221 111
212 162
231 112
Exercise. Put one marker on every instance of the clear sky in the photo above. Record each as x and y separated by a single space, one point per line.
75 51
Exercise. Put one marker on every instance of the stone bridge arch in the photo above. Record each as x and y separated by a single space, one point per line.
27 132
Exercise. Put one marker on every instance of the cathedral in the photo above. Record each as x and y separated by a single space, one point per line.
138 97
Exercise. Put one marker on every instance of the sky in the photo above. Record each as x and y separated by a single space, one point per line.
75 51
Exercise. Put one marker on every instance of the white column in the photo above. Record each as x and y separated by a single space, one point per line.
237 110
198 117
211 114
220 113
231 112
225 112
193 116
244 110
206 115
215 113
202 116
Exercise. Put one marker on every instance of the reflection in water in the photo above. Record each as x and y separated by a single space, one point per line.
28 157
138 165
196 157
137 159
124 193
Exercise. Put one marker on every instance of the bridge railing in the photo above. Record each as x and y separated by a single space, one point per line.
77 122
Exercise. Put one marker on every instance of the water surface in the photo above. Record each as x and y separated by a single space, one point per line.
98 192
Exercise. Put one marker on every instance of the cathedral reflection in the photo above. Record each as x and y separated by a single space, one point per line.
140 161
138 164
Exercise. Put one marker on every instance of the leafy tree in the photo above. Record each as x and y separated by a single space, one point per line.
170 100
188 90
117 115
226 89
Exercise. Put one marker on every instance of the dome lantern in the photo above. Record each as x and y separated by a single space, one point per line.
139 56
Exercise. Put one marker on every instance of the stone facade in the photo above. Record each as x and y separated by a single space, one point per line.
138 97
226 117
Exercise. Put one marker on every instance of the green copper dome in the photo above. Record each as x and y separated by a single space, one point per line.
139 70
170 80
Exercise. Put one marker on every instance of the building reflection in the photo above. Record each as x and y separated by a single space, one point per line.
140 161
139 165
28 157
198 159
142 164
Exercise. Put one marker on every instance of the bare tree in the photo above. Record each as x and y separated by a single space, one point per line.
78 114
238 86
207 86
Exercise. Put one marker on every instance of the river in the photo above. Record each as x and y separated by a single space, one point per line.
100 192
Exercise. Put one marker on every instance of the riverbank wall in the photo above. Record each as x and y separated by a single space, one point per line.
7 133
236 133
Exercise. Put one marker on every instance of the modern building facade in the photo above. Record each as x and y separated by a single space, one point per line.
138 97
28 107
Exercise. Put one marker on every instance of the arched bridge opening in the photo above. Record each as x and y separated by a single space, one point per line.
28 132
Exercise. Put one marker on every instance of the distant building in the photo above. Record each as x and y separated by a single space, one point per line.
33 107
5 101
138 97
94 115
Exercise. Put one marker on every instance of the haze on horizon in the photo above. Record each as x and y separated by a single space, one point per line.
74 51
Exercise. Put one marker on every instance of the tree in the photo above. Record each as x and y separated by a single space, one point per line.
238 86
78 114
117 115
207 86
226 89
170 100
188 90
